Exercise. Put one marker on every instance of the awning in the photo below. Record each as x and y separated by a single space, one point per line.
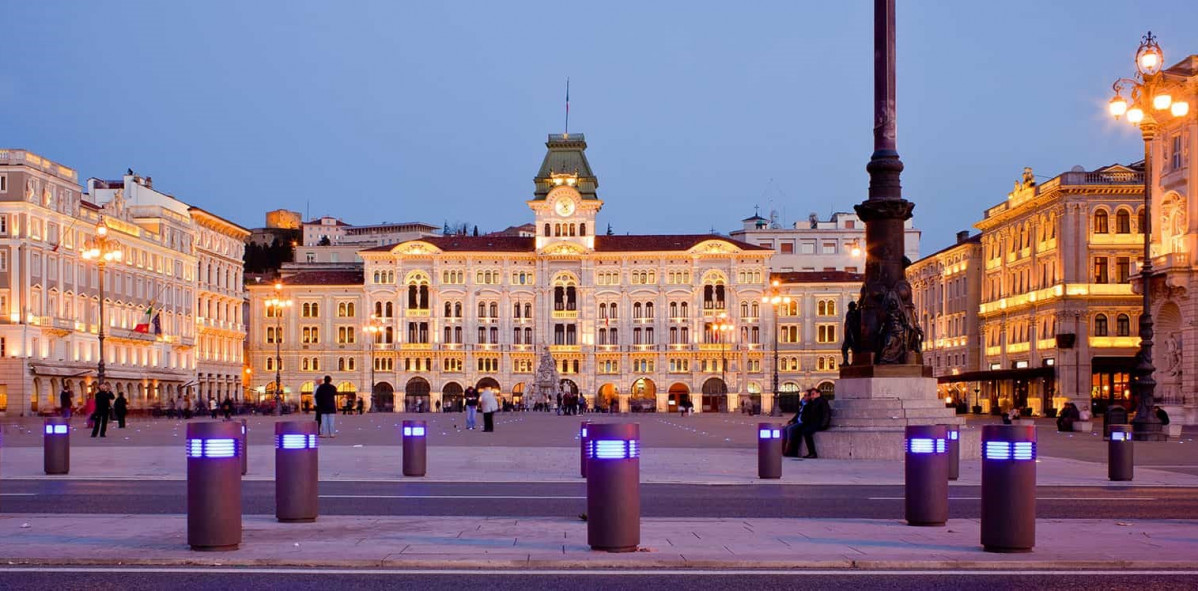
1024 373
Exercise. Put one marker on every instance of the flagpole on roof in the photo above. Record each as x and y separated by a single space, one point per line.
567 132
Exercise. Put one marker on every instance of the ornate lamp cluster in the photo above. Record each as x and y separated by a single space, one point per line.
776 299
277 305
102 250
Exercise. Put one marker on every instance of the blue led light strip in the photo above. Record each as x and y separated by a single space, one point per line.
921 445
292 441
213 448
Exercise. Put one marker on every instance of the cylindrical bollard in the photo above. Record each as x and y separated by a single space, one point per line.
296 471
1008 488
614 487
56 446
926 475
213 485
245 448
953 433
414 438
1120 464
583 438
769 450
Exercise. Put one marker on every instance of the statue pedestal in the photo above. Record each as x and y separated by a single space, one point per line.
871 412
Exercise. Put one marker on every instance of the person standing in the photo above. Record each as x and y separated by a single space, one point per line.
816 416
212 407
361 406
471 408
103 402
488 405
65 399
227 408
326 407
120 408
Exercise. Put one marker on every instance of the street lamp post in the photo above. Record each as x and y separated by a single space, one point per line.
1150 97
775 299
103 250
276 305
374 328
723 328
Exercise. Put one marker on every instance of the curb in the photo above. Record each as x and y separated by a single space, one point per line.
614 564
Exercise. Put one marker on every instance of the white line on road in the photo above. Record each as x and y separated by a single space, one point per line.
448 497
599 572
1037 498
17 494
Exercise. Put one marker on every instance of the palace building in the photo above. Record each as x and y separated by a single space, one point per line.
633 323
171 296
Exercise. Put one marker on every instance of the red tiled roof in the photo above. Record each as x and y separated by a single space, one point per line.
817 277
646 243
326 278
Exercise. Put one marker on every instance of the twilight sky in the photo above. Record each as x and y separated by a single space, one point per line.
694 111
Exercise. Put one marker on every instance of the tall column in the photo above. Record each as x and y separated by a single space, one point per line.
889 332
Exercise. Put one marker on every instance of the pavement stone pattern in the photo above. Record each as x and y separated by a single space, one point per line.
451 542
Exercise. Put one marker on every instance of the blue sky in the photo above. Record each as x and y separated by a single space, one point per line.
694 111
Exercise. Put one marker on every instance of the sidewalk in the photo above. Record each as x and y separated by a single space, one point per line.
548 464
451 542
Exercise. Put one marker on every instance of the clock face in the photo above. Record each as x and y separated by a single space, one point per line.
564 206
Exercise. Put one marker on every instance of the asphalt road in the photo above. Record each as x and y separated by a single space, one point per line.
568 499
100 579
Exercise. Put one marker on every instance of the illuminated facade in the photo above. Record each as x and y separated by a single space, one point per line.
629 320
49 294
945 290
1174 241
1057 311
220 293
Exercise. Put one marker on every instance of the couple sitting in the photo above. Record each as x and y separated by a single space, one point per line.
814 415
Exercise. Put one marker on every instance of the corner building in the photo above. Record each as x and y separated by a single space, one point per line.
632 322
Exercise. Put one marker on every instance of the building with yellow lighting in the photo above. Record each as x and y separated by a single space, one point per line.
944 289
631 322
1057 314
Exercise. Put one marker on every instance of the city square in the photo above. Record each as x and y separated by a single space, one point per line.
215 378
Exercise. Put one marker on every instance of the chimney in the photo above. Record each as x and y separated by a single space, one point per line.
962 236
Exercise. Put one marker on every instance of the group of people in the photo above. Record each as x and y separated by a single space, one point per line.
814 415
101 407
484 402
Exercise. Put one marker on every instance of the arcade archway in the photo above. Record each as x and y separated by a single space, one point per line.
715 397
644 396
383 398
453 399
416 395
679 396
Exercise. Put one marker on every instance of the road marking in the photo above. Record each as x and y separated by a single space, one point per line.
1037 498
17 494
449 497
997 572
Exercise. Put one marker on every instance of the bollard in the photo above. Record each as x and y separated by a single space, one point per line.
213 486
296 471
56 446
414 448
614 487
1008 488
926 475
953 433
1120 464
245 448
769 450
582 447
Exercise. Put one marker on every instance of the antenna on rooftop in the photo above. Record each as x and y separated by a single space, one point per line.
567 132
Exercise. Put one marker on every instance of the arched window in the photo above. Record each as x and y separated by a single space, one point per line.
582 229
448 309
1140 221
528 311
636 310
546 229
603 310
1100 222
649 310
1123 325
457 309
1100 328
388 310
1122 222
418 291
684 310
494 310
673 309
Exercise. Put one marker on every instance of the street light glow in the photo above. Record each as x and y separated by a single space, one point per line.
1162 101
1135 115
1180 108
1118 106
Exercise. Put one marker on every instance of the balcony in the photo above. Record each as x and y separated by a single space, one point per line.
1130 240
714 346
416 346
565 314
565 348
416 313
1114 342
1046 344
1101 178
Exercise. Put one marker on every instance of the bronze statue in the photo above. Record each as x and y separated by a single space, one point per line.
852 330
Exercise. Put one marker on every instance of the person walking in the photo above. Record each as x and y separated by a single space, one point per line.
212 407
227 408
361 406
65 400
326 407
817 416
103 406
488 405
89 409
120 408
471 408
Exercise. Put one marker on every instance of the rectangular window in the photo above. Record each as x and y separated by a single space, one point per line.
829 248
825 333
789 333
3 183
787 248
1176 158
807 247
1123 270
1101 274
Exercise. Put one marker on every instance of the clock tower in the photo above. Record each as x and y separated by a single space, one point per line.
564 201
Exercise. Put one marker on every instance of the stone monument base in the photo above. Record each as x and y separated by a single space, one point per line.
870 415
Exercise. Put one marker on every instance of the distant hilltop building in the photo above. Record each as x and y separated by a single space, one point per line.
835 244
284 219
329 242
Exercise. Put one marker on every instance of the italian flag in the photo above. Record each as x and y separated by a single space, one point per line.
144 327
